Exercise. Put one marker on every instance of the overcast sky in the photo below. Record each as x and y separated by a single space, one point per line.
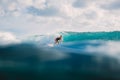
29 17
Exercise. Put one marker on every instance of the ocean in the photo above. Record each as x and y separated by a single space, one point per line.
80 56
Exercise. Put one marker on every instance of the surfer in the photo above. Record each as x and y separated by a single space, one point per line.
58 39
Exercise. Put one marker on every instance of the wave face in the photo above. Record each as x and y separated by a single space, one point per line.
81 56
77 36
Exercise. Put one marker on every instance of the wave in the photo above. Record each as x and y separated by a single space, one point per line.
78 36
66 61
86 56
75 36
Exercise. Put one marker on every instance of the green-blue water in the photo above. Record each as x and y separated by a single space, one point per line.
79 36
81 56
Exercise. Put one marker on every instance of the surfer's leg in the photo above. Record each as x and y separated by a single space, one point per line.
56 41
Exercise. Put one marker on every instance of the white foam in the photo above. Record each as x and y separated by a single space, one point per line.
111 48
51 45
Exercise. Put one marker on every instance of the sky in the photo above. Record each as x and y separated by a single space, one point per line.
31 17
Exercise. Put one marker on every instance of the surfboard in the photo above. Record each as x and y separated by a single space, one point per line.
51 45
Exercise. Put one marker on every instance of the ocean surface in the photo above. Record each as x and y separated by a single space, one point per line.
80 56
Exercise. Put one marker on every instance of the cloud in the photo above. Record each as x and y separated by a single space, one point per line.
25 3
114 5
80 3
42 12
40 4
41 16
12 6
7 38
90 14
2 12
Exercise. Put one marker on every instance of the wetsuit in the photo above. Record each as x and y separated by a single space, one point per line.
58 38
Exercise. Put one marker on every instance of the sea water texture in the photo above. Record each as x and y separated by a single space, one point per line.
80 56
